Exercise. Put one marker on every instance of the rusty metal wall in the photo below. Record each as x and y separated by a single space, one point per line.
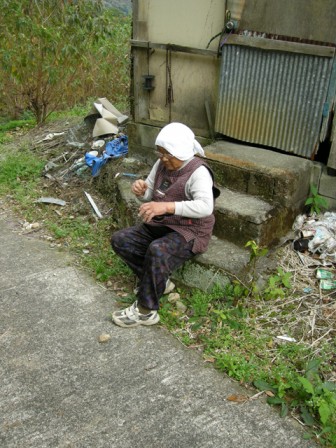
272 98
312 20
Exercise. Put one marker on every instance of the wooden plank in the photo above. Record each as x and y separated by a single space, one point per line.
280 45
172 47
255 42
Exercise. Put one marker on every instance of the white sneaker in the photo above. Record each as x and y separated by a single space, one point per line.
131 317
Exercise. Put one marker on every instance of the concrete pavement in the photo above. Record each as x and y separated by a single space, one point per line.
60 387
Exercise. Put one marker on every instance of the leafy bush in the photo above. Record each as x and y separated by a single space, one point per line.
63 52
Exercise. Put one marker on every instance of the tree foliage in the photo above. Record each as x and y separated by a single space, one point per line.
50 51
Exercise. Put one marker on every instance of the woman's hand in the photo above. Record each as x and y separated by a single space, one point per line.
139 187
150 209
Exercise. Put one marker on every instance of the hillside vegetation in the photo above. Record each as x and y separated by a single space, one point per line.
61 56
124 6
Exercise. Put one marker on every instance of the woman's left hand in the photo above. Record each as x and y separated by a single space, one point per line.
148 210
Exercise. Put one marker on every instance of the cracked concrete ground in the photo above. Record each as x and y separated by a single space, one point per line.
60 387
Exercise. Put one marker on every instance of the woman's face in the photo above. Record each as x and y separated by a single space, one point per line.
170 162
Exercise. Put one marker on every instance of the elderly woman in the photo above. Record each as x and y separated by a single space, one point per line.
177 216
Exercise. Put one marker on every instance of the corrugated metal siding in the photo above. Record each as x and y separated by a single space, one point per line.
272 98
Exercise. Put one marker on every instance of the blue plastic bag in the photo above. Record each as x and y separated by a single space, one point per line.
117 147
114 149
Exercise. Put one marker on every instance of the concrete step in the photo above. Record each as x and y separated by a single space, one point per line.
222 261
238 216
262 191
241 217
235 212
275 177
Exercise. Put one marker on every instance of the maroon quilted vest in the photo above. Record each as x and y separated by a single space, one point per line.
169 186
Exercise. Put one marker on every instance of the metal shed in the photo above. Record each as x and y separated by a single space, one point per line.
259 71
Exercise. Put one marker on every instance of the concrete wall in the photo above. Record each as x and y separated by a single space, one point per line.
189 22
193 77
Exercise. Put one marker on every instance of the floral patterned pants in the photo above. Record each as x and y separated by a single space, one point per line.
152 253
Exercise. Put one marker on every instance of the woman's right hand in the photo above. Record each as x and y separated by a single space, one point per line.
139 187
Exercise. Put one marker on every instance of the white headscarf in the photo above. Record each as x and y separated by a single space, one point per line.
179 141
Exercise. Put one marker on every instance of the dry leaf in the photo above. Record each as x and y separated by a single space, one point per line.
122 294
269 393
237 398
210 359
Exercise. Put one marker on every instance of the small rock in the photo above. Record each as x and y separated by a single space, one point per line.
35 225
181 307
86 251
122 294
104 338
173 297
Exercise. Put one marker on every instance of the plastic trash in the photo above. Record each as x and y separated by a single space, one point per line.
328 284
98 144
131 175
320 237
299 221
301 245
320 230
324 274
52 135
82 169
51 201
113 150
93 205
286 338
117 147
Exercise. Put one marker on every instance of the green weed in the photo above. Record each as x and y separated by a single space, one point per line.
5 138
256 252
20 178
6 125
6 128
19 173
278 284
315 202
310 396
170 317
